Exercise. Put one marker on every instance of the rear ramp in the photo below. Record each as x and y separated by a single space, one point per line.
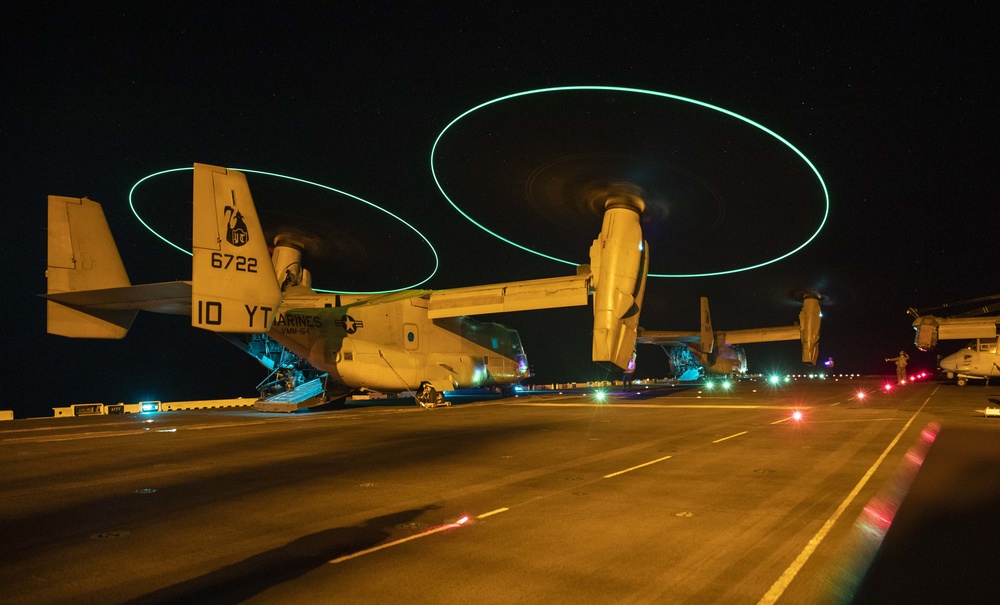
306 395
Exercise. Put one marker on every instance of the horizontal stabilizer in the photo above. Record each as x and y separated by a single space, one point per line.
172 298
81 322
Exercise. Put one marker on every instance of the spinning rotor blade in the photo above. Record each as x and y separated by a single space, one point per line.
708 178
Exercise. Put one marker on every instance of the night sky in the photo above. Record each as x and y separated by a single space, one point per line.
895 107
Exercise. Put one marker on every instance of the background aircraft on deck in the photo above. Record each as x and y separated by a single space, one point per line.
709 351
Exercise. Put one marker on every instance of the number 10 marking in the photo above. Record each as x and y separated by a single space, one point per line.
209 312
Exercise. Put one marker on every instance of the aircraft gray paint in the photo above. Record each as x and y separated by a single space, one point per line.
929 329
978 360
718 352
415 340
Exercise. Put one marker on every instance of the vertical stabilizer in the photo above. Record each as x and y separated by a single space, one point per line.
82 256
233 287
707 344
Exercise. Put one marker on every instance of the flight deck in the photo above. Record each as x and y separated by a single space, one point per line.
760 494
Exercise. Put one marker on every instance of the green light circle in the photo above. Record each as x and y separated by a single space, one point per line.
826 193
296 179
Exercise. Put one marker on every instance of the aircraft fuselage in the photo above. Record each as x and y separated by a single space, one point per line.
393 346
729 361
979 359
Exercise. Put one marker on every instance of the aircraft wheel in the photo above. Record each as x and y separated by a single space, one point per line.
428 396
961 382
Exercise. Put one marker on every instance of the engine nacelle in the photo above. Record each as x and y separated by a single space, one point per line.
809 320
930 329
926 328
287 261
619 262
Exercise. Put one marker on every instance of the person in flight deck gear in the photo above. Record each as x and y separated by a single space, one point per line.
900 366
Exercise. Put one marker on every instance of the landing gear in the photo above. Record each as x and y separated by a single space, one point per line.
429 397
961 382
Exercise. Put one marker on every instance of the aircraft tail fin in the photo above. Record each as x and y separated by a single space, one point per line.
619 264
707 336
233 284
809 321
82 256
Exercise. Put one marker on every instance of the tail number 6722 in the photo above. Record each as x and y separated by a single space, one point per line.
239 263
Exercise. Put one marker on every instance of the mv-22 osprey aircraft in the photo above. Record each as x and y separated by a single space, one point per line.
711 351
975 321
415 340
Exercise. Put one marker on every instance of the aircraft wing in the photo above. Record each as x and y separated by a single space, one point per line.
738 337
729 337
547 293
929 329
806 331
708 334
303 298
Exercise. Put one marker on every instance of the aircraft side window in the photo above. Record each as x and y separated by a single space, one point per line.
411 337
986 344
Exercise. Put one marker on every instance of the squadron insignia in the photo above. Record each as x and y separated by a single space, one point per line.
237 233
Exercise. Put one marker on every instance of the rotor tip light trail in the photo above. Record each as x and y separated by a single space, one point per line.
566 182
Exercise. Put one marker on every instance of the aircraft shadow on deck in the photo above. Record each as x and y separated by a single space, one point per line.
240 581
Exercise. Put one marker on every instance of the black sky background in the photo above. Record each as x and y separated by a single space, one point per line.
894 104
